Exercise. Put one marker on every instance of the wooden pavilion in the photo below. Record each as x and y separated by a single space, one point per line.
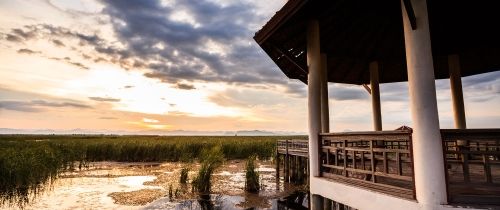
372 42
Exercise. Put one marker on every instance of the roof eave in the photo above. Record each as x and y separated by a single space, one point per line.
280 18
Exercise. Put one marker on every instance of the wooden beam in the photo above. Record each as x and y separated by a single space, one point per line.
289 58
411 14
368 89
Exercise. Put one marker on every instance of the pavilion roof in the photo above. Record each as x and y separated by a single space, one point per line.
356 32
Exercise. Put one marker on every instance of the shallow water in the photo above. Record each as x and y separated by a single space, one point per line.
91 188
89 192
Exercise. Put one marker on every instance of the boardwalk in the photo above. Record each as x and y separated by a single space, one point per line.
382 162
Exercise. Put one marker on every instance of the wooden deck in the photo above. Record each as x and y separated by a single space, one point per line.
382 161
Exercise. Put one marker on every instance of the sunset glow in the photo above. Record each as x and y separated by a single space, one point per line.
172 65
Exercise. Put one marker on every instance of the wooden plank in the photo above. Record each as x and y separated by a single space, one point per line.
394 176
382 188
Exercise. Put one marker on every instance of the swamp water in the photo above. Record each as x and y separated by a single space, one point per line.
113 185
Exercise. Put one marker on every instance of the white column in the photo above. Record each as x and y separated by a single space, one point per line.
375 93
457 96
325 113
314 103
429 171
314 94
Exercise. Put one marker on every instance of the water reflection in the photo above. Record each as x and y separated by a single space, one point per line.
94 187
295 201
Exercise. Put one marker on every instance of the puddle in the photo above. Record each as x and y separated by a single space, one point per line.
89 192
112 185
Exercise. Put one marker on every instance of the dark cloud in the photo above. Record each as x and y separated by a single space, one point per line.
185 86
27 51
20 106
298 89
24 34
217 47
58 43
68 61
343 93
79 65
13 38
128 86
102 99
142 26
38 105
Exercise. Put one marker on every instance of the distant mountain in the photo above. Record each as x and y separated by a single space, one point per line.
255 133
151 132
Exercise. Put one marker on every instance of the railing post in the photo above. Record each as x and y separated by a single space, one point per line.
345 157
287 162
465 167
373 166
277 159
487 168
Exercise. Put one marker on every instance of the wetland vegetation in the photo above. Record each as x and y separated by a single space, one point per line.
30 163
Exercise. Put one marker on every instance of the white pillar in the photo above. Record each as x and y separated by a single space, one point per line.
457 96
314 94
325 113
375 93
429 170
314 103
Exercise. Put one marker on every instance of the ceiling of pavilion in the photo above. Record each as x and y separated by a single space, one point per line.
355 32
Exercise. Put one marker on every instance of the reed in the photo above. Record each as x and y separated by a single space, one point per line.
29 163
251 176
212 159
184 175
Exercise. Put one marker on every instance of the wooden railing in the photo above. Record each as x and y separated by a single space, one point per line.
297 147
380 161
472 165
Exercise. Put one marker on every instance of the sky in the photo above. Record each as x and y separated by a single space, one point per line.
178 65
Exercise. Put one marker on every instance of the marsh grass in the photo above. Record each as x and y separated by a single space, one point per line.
30 163
251 176
184 175
211 160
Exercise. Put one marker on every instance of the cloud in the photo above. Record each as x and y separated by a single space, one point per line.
102 99
58 43
148 120
79 65
68 61
297 88
27 51
38 105
186 40
343 93
200 40
18 106
24 34
185 86
13 38
108 118
128 86
247 98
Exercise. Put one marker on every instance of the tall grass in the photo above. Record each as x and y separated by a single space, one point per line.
29 163
212 159
184 176
251 176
